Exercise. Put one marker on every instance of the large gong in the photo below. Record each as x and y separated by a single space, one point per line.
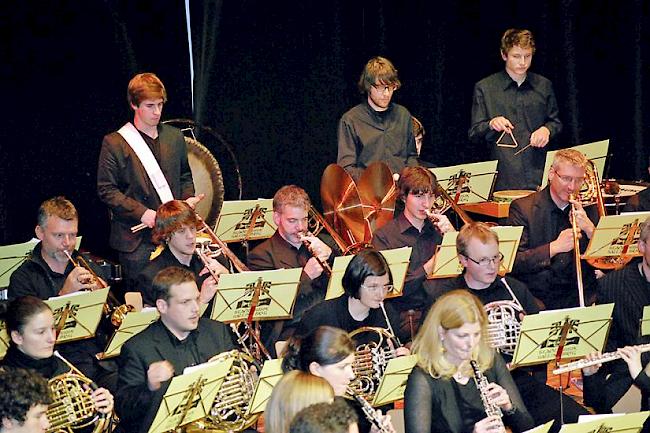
219 179
208 180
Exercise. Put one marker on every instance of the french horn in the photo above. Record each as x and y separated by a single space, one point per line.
503 325
229 412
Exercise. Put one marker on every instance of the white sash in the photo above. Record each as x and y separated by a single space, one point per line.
144 154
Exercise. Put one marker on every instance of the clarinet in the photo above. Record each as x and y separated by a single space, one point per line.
371 414
482 384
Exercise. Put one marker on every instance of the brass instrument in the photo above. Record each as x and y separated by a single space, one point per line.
229 412
503 327
251 331
324 264
491 409
442 203
605 357
576 251
113 309
371 359
370 413
72 407
317 223
591 193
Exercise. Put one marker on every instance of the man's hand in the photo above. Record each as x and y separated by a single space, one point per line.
500 123
583 221
103 400
318 248
540 137
442 223
149 218
159 372
78 279
563 243
313 269
193 201
209 286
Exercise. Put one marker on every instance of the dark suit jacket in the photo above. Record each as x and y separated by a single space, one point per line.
547 278
135 404
124 186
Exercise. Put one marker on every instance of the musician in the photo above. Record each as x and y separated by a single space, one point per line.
179 339
519 102
377 129
418 133
175 230
24 397
628 290
327 352
545 258
124 181
333 417
48 272
30 325
295 391
413 228
478 253
285 250
366 282
441 395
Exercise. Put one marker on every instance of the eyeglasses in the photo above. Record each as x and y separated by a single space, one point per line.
390 88
485 261
568 179
377 289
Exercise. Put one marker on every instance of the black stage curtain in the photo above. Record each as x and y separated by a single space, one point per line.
274 77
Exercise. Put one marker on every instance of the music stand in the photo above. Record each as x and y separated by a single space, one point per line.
269 376
544 428
446 263
398 262
77 315
596 151
393 382
616 236
645 321
541 333
276 289
245 220
190 396
133 323
4 339
12 256
629 423
478 181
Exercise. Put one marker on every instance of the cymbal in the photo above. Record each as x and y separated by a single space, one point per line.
342 206
378 193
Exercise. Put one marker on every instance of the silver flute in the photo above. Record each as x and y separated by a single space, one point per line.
390 327
491 408
370 412
605 357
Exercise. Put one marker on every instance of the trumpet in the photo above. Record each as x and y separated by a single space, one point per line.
442 203
576 250
113 309
323 263
601 359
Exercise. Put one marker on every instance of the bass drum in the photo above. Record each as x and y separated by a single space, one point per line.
208 180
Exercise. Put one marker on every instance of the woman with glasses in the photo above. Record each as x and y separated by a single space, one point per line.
366 282
441 394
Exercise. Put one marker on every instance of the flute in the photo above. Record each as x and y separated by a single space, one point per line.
605 357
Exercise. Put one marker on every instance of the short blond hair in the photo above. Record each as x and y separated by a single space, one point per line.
570 156
474 230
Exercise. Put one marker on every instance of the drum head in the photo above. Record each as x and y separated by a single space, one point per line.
208 180
510 195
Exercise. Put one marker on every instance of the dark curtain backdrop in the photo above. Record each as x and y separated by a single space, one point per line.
273 78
